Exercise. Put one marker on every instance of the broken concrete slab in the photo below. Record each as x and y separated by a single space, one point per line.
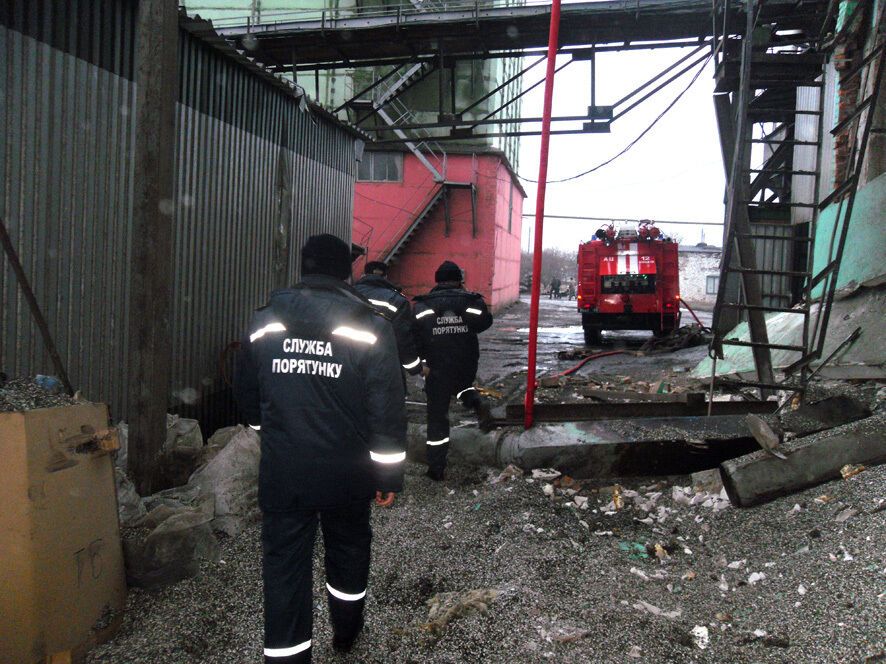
758 477
765 434
823 414
707 481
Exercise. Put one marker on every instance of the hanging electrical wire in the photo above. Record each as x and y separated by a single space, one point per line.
636 140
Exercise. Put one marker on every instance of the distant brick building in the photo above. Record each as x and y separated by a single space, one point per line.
699 274
402 215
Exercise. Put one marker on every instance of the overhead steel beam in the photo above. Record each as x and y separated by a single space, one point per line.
470 28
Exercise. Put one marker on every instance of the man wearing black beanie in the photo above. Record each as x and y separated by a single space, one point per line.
318 374
448 320
390 302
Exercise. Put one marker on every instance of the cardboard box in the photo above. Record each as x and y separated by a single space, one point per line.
62 583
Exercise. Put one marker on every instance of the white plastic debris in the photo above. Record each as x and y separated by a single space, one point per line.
848 513
700 636
548 490
801 589
654 610
638 572
635 652
755 578
737 564
545 474
679 496
581 501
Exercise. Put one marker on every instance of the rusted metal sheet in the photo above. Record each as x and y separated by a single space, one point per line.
66 142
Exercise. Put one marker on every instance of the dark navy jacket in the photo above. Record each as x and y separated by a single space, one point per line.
448 320
389 301
319 373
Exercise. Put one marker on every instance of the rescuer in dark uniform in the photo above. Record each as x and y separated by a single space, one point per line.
448 321
389 301
319 375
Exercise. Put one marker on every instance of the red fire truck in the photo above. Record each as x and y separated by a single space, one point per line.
628 280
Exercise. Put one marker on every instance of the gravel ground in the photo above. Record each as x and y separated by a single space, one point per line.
22 394
576 585
567 589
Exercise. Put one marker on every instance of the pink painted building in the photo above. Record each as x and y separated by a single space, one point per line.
405 217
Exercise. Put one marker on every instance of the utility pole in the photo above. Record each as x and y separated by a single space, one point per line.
150 283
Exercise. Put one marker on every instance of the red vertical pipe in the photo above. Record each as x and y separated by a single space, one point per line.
553 39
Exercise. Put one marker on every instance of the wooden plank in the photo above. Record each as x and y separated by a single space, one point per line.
153 211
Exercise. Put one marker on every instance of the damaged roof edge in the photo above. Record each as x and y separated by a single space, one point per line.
203 30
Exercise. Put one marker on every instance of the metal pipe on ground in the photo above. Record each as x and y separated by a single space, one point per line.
596 449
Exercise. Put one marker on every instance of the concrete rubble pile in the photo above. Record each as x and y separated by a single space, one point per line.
171 531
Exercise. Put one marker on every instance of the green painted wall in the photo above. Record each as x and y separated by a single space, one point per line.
864 257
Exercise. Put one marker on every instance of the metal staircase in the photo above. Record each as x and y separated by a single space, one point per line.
770 110
380 98
439 194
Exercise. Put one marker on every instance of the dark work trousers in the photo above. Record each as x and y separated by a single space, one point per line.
288 546
440 387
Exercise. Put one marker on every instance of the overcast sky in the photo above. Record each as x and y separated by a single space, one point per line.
674 172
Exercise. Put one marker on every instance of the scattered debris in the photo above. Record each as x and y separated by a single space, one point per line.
700 637
617 500
846 514
635 550
769 438
707 481
851 470
511 472
654 610
21 394
545 474
755 578
443 608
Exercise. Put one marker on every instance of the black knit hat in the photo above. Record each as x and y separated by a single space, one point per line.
326 254
376 266
448 271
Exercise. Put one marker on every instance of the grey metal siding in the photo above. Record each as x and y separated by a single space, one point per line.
66 137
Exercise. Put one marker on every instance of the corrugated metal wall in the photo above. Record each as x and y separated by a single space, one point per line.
256 174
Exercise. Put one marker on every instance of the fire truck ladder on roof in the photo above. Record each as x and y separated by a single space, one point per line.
764 84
